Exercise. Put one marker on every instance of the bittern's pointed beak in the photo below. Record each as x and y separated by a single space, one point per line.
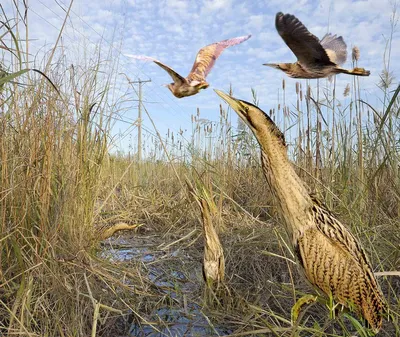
272 65
235 104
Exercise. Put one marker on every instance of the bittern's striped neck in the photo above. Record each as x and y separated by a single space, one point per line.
290 192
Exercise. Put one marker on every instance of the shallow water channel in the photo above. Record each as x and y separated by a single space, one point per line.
180 316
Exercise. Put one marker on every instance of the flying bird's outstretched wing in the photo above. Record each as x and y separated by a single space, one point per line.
335 47
303 44
178 79
206 57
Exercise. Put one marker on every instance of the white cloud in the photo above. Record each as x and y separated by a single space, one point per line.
177 4
214 5
256 22
174 30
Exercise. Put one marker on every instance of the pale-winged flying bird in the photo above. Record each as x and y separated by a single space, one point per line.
205 60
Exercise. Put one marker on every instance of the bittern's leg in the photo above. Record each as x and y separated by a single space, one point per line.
355 71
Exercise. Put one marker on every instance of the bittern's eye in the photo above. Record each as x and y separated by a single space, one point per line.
246 109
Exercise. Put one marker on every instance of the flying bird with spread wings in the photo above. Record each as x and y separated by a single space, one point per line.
205 60
315 58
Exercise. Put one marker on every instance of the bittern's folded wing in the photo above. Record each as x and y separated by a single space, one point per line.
344 241
206 57
303 44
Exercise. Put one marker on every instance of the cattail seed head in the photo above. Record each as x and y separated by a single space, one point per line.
346 90
355 53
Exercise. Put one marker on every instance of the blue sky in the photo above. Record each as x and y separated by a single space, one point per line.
174 30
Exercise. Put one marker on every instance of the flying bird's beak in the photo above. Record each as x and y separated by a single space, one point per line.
272 65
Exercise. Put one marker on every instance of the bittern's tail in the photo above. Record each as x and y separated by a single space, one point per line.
356 72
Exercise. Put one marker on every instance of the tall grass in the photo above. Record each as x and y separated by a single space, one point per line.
54 132
347 150
58 179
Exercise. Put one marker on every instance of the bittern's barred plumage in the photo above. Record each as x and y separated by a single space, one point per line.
213 260
315 58
205 60
332 258
106 230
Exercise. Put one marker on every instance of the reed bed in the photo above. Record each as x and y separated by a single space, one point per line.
59 178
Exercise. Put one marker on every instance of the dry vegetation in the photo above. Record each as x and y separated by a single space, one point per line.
58 179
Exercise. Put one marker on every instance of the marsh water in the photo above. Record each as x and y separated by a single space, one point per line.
178 275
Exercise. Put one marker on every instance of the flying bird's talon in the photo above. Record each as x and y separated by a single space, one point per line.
361 71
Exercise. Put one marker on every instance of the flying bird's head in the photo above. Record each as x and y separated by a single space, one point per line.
170 86
175 90
281 66
184 90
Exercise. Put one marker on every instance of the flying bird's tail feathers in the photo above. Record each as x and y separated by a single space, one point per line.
335 47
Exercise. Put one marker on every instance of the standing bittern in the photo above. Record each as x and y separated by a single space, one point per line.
315 58
213 260
331 257
205 60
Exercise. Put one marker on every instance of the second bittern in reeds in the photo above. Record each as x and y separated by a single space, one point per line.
315 58
213 261
213 258
331 257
